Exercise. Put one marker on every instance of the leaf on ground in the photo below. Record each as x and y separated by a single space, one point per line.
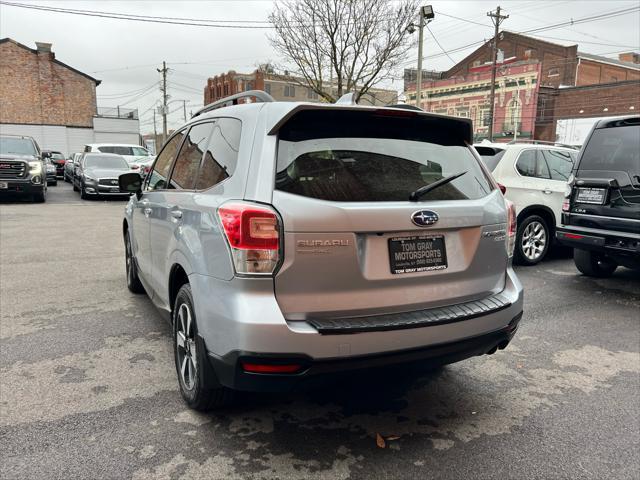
380 441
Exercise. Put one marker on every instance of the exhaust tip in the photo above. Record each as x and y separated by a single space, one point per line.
493 350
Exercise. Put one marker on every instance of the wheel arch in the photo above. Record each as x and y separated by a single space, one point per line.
177 278
542 211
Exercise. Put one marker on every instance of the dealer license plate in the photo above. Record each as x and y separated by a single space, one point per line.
418 253
595 196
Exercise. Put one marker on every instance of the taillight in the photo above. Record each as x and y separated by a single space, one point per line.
253 234
511 228
566 205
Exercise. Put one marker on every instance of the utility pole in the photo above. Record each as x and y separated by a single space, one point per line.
425 12
163 71
184 109
155 133
497 19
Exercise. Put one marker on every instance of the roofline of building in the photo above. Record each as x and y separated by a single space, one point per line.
55 60
616 63
593 86
507 32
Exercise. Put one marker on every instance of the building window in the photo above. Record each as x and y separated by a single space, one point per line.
512 118
311 95
267 88
554 72
483 117
289 91
462 112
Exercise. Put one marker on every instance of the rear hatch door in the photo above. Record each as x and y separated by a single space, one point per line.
606 190
354 244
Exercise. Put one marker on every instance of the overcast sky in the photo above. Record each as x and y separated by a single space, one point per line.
125 54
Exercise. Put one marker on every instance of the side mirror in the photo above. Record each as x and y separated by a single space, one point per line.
46 154
130 183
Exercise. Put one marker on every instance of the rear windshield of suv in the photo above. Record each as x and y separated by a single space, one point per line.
348 156
124 150
613 149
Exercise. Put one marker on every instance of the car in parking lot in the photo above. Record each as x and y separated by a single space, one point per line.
70 165
534 176
131 153
288 242
601 212
52 173
97 174
22 167
58 160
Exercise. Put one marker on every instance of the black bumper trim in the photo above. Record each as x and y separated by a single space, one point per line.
416 319
314 373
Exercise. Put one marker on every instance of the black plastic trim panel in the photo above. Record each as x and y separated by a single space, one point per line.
415 319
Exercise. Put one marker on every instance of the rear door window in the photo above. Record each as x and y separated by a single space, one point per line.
613 149
531 164
381 157
185 171
221 156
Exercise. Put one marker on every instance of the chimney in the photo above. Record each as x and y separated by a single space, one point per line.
44 49
631 57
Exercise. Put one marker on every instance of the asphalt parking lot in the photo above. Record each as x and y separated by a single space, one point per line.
88 388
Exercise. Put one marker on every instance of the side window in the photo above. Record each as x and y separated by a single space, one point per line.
526 163
162 167
221 156
185 171
560 164
530 164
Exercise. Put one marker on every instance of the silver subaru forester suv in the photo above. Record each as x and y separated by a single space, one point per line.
288 242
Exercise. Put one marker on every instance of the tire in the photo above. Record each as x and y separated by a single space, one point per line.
40 197
133 280
83 193
532 240
198 385
66 178
55 184
593 264
75 187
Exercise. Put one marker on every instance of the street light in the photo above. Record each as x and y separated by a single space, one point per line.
425 13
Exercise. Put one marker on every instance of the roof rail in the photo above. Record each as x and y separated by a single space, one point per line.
544 142
259 95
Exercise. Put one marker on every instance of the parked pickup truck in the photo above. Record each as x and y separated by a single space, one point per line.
22 167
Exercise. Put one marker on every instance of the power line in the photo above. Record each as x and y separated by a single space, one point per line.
134 18
441 47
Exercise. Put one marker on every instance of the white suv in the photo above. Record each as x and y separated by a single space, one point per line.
131 153
535 177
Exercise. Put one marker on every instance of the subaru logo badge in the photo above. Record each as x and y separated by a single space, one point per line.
424 218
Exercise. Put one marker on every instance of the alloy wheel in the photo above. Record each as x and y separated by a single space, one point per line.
186 351
534 240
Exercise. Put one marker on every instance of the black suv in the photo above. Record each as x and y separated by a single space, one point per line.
601 211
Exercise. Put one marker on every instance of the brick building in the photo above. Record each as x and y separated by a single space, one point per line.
280 87
560 65
580 106
38 89
469 96
563 75
42 97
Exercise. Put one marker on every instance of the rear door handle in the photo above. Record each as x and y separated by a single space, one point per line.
177 214
547 191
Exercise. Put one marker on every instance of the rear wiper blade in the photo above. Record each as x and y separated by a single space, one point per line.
415 196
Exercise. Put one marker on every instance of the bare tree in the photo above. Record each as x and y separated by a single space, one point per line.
339 46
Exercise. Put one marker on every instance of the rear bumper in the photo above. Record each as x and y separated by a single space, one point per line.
241 317
604 241
315 373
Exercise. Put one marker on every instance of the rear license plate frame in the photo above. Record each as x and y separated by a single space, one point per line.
594 195
415 244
